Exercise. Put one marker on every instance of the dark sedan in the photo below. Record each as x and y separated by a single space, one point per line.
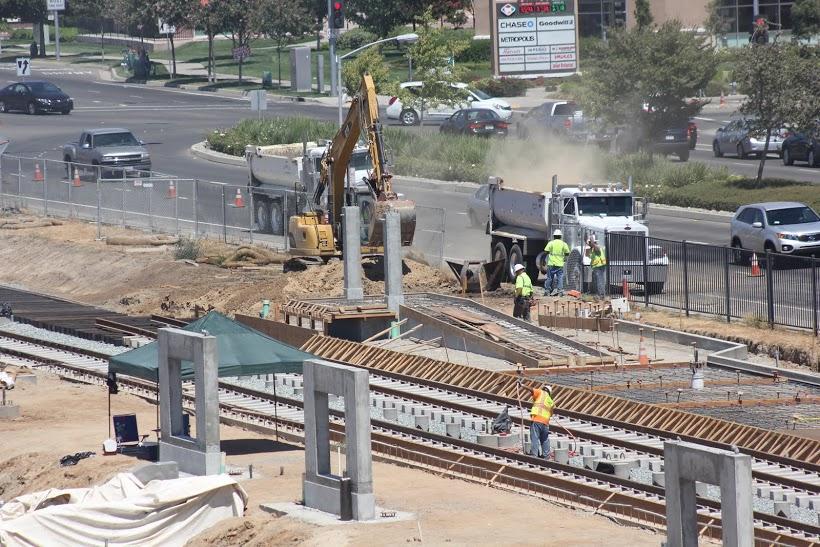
35 97
475 121
801 147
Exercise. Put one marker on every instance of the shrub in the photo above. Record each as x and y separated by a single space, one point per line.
67 34
355 38
187 249
477 51
266 132
502 87
370 61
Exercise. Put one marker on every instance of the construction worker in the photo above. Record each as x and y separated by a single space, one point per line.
597 261
540 427
558 251
523 293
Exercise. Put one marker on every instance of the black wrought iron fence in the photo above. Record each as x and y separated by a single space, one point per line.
766 288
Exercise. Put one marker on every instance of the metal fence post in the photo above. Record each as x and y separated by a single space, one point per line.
45 188
814 294
224 217
250 214
150 211
284 220
122 192
19 175
99 211
196 212
645 271
685 279
176 210
769 289
726 256
70 203
608 252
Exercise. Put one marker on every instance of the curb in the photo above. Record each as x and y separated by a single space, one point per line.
692 214
201 151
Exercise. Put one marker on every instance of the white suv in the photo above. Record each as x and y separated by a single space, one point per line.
473 98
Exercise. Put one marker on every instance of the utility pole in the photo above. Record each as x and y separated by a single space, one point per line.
331 35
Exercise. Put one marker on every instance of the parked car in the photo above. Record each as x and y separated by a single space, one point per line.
736 138
475 121
116 151
552 117
473 98
801 147
478 207
35 97
692 130
777 227
669 141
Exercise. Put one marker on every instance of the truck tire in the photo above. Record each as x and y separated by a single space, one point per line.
574 273
500 253
277 221
516 256
262 214
532 270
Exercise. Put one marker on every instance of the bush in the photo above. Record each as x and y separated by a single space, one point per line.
477 51
355 38
187 249
265 132
370 61
502 87
67 34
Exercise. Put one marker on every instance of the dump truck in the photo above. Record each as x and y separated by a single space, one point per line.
283 179
522 222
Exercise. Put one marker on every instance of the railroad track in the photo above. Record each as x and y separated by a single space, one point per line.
617 497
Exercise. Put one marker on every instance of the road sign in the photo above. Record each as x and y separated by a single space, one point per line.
165 28
55 5
23 66
259 99
241 52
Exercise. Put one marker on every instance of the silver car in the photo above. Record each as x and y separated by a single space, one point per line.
736 138
478 207
778 227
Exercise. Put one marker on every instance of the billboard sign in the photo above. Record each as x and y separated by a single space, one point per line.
533 39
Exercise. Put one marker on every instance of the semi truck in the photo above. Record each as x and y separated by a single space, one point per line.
522 222
283 179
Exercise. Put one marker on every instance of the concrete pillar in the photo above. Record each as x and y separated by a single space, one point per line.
352 253
685 463
394 292
200 455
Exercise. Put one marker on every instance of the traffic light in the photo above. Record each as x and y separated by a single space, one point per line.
337 19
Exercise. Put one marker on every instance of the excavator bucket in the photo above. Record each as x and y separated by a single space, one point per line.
478 276
407 212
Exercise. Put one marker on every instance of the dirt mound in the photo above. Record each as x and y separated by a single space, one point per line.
259 530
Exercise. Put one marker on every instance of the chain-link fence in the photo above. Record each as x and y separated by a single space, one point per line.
766 288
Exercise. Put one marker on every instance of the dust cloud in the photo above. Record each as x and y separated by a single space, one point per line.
530 163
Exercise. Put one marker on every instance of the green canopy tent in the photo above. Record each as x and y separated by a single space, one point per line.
243 351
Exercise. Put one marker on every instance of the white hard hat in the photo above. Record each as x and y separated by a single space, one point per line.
549 389
557 233
517 268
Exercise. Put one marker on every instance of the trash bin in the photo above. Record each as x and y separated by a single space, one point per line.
267 79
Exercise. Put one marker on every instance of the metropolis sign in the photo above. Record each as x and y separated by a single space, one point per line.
532 39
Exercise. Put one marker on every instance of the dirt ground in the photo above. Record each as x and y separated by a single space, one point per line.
59 418
68 261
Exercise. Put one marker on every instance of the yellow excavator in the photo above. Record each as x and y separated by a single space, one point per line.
318 233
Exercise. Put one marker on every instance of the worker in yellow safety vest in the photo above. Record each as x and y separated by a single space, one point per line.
558 251
523 293
597 261
540 413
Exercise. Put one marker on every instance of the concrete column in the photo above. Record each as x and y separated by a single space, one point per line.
394 291
359 457
352 253
736 500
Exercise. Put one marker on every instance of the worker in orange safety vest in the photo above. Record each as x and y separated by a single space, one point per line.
540 427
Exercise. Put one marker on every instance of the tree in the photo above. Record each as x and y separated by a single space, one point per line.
238 20
282 21
370 61
32 11
209 17
377 16
717 22
643 14
174 13
429 55
805 19
644 80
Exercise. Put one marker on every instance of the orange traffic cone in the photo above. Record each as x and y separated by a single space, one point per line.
239 201
76 182
172 190
643 358
756 271
38 175
626 288
722 99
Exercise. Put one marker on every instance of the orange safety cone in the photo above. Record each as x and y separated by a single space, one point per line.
238 201
172 191
38 175
76 182
722 99
756 271
643 358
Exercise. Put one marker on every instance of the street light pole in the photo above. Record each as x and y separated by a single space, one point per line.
401 39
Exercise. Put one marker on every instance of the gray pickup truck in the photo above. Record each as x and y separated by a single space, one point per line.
116 151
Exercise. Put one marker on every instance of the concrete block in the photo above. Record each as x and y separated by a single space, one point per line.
803 501
598 451
487 440
508 441
191 460
298 392
156 471
422 422
9 412
783 509
623 467
28 379
419 410
659 478
453 430
701 489
613 454
390 403
561 455
589 461
763 490
390 414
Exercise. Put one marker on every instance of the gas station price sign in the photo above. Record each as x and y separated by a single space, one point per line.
532 39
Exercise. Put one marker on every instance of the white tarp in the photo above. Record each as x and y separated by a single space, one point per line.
123 511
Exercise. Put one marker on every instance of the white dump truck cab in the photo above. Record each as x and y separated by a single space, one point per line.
522 222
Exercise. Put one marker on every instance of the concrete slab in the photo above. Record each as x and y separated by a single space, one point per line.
9 412
29 379
508 441
561 455
487 440
390 414
422 422
320 518
452 430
